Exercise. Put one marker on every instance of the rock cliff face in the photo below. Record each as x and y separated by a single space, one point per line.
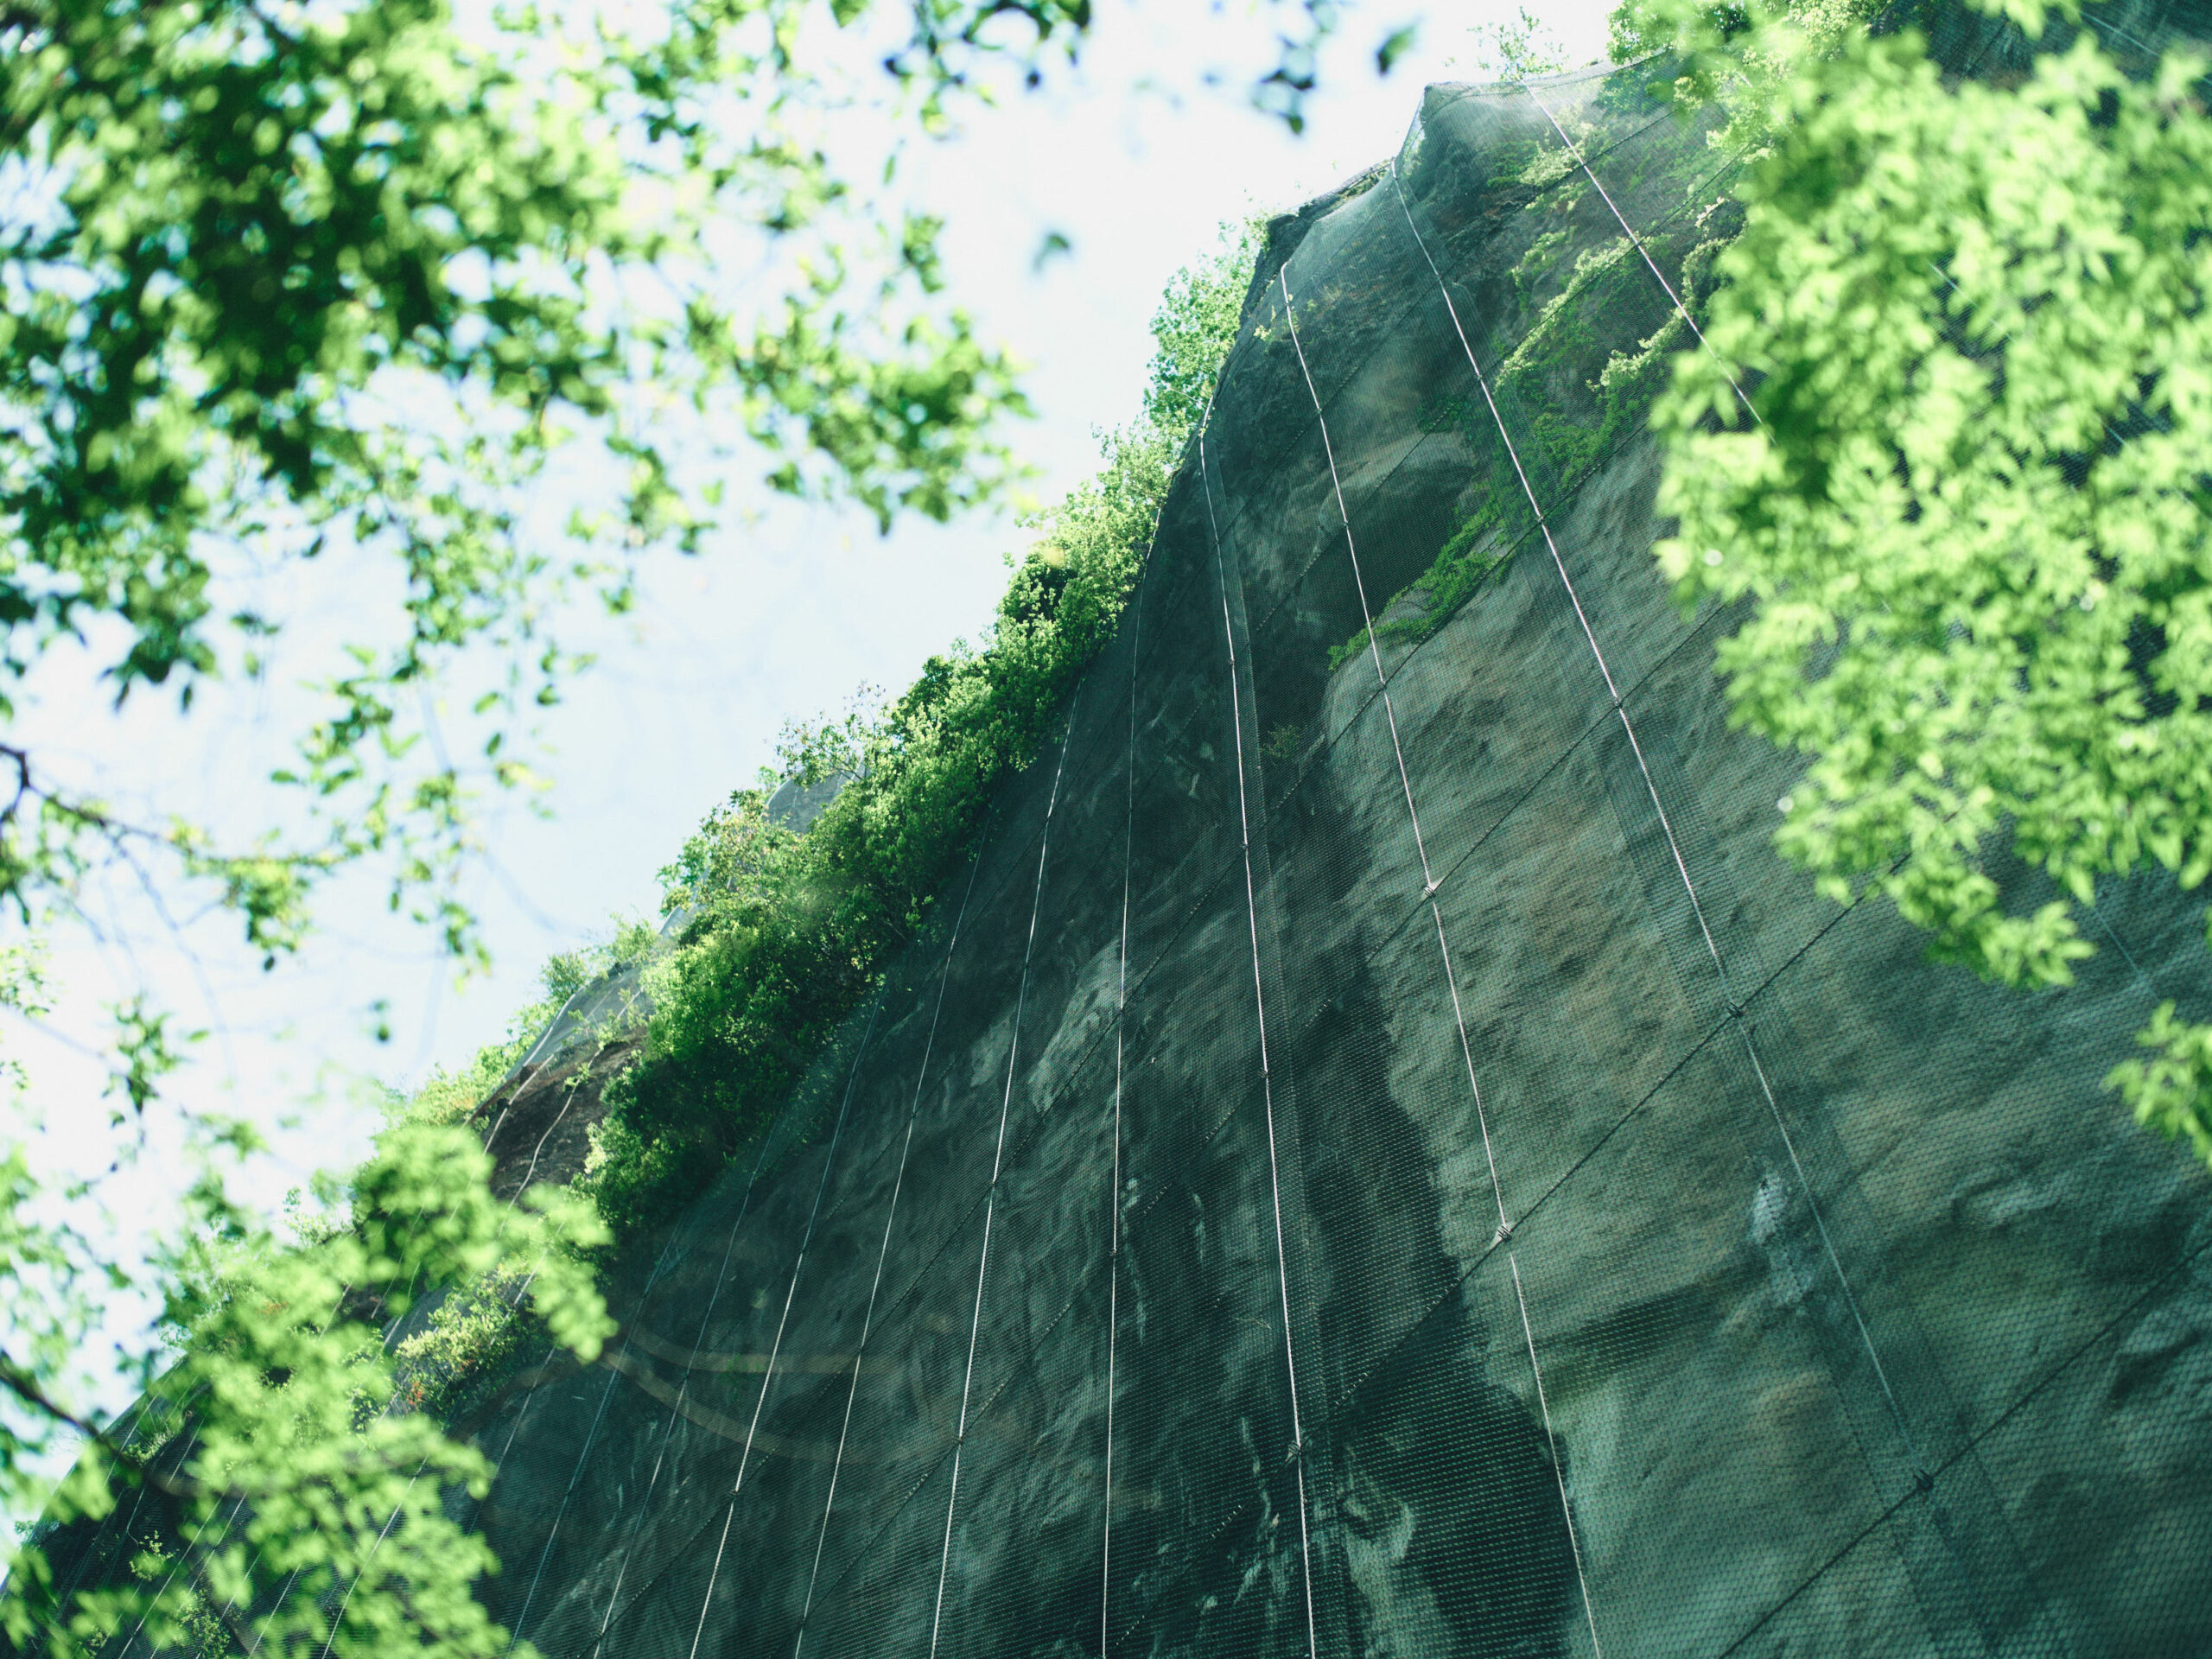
1379 1157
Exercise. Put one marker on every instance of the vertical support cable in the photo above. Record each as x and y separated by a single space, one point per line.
1551 1440
85 1561
1366 612
882 1254
391 1521
183 1556
684 1389
998 1162
1736 1008
1267 1078
1673 845
390 1338
1114 1194
1429 883
783 1320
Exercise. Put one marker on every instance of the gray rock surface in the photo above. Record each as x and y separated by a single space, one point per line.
1134 1281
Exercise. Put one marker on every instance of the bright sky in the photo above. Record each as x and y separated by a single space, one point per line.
779 620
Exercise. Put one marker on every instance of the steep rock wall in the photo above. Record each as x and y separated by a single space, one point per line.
1381 1159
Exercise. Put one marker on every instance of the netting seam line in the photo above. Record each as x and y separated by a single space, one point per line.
682 1392
898 1185
998 1164
1652 264
1405 782
1114 1193
1973 1444
1267 1081
1173 1180
1002 882
783 1323
584 1456
1674 846
1558 1470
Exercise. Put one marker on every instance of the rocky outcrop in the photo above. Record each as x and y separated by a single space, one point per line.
1378 1156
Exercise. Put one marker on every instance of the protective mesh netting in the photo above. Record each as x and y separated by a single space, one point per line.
1381 1158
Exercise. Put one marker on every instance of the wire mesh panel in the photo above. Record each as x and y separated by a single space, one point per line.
1401 1167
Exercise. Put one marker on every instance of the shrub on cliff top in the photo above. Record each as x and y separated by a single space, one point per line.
788 932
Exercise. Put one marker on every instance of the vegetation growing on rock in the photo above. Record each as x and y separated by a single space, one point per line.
787 933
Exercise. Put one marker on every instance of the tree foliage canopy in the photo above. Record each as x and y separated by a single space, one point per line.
1967 491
